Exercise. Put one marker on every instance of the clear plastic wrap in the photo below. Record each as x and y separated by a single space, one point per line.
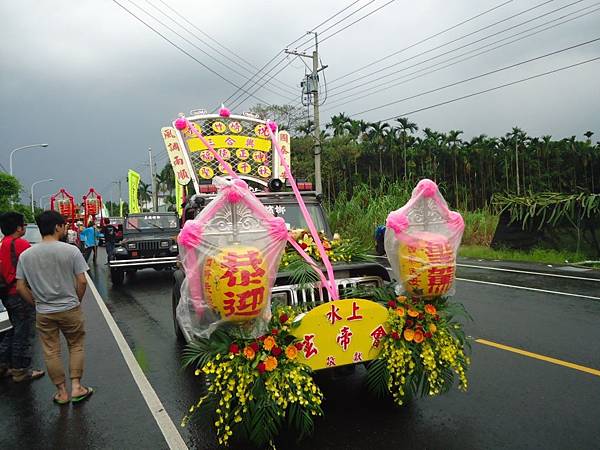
421 242
230 254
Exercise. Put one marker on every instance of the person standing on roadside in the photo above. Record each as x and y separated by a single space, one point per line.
110 236
88 240
52 274
15 347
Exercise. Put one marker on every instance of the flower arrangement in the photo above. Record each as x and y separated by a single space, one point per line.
338 249
255 386
423 351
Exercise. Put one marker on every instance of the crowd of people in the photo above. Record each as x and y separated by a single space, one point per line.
42 287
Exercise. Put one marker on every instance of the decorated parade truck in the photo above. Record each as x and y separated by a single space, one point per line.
267 295
244 143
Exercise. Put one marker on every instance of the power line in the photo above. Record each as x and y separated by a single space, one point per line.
495 88
329 36
439 33
187 40
185 51
377 72
424 71
237 55
501 69
234 94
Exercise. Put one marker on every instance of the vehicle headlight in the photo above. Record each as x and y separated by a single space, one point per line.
174 248
120 250
164 244
131 246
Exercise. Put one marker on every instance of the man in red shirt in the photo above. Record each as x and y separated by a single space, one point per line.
15 347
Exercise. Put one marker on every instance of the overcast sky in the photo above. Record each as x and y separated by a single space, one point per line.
97 85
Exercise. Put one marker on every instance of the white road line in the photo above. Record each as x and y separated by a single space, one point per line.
530 273
166 425
529 289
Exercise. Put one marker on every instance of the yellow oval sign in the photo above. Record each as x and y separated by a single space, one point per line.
235 127
206 172
244 168
242 154
341 332
219 127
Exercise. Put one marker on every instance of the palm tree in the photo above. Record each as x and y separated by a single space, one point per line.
453 141
377 132
144 193
338 124
405 126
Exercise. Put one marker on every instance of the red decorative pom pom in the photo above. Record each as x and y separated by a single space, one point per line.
181 124
224 112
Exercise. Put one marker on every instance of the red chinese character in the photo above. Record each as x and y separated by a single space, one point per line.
440 278
330 361
354 315
205 172
236 263
182 174
243 154
249 303
358 357
439 253
249 143
235 126
333 315
309 347
284 137
218 126
168 134
244 167
178 161
173 146
377 334
344 338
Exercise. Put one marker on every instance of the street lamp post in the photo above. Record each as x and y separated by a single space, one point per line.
32 186
42 198
22 148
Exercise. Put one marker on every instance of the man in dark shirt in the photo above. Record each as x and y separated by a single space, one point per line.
15 347
110 236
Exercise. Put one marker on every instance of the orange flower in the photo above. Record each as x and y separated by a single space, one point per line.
432 327
401 298
270 363
249 353
409 334
419 336
413 313
291 352
269 343
400 312
430 309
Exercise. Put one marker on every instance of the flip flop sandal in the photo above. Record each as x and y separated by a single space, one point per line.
60 402
29 375
81 398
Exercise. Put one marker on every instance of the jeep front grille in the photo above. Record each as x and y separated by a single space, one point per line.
311 295
148 245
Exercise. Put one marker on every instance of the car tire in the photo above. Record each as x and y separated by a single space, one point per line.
178 333
117 276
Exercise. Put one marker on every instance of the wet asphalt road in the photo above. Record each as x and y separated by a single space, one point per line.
513 401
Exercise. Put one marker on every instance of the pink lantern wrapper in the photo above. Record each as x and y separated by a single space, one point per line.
231 253
421 242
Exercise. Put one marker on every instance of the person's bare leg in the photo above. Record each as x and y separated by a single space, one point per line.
76 388
62 394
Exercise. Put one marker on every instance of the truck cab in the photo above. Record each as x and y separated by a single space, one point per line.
149 241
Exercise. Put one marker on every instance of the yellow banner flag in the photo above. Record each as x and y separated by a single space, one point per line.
133 178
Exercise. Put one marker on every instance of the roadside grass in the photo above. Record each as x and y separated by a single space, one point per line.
544 256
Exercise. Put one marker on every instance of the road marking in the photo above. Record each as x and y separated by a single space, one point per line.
540 357
166 425
530 273
529 289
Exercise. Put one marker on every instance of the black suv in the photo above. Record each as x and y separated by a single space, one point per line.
284 204
149 241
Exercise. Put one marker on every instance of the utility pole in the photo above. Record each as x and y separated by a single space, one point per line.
313 88
517 164
153 177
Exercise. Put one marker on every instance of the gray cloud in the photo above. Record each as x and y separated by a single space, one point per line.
97 85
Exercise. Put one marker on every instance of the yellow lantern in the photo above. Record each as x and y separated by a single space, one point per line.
427 264
236 282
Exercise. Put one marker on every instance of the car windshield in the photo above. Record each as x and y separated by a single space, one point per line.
293 217
150 221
